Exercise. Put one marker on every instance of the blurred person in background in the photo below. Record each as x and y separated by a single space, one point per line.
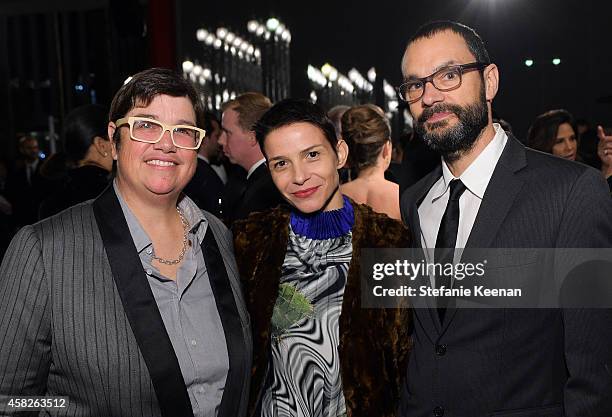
367 133
88 149
7 228
604 152
24 185
300 268
582 126
130 304
207 186
335 115
554 132
239 144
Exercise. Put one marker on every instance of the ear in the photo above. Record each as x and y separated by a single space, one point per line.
387 150
342 152
111 134
101 145
491 78
252 139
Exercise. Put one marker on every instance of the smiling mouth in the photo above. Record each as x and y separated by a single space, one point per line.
305 193
160 163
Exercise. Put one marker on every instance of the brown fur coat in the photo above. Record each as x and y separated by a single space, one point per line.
374 343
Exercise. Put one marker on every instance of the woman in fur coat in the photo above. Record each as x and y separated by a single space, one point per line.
317 352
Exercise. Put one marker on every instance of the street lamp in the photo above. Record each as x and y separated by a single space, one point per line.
272 24
187 66
201 34
372 75
221 33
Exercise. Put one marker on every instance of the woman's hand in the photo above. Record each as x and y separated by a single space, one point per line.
604 151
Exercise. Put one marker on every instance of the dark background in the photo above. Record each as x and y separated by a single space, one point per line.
373 33
115 38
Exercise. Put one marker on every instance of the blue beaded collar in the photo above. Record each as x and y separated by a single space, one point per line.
324 224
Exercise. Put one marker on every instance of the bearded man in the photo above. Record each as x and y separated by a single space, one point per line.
491 192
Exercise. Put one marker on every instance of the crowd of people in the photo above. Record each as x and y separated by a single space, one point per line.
172 263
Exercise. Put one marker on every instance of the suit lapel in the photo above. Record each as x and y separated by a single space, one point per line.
232 328
140 307
499 196
424 306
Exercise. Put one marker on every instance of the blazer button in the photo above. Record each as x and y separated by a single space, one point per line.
440 350
438 412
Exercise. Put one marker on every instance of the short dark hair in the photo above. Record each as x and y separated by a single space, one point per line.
81 126
290 111
148 84
473 40
543 132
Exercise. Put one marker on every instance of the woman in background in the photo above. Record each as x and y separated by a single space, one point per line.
554 132
88 149
367 132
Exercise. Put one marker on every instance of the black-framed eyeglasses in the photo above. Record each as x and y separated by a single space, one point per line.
445 79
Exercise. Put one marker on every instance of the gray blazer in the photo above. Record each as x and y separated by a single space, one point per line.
78 318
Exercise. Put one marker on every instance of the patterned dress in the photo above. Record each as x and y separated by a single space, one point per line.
304 375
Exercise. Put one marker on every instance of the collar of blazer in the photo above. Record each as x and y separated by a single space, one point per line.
146 321
374 343
501 192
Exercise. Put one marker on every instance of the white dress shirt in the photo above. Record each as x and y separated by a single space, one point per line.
476 179
255 166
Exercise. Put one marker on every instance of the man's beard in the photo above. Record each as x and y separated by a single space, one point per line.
452 142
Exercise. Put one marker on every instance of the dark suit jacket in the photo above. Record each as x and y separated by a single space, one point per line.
78 318
259 194
25 196
518 362
78 185
206 188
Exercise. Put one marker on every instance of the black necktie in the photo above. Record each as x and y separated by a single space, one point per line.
447 239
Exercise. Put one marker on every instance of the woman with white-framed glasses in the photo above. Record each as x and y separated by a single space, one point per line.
130 304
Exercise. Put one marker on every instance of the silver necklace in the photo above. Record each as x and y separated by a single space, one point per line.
183 249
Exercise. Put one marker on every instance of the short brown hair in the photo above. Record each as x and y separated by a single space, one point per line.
250 107
365 129
148 84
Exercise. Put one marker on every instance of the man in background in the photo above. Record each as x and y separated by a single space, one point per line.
23 184
207 186
258 192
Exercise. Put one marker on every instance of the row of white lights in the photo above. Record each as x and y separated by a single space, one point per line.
220 99
215 102
316 76
332 74
199 74
390 93
328 74
272 27
233 43
356 77
530 62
